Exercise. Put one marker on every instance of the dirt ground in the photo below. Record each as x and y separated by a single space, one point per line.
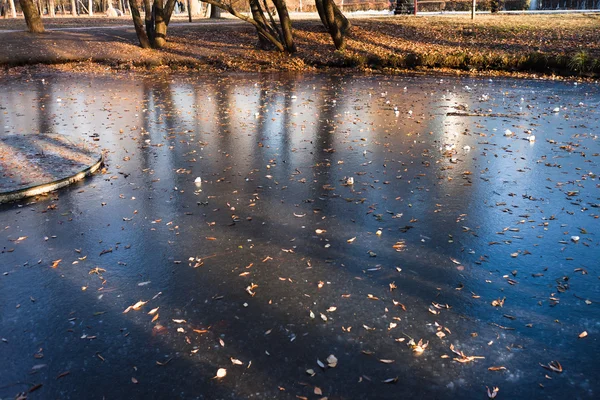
545 44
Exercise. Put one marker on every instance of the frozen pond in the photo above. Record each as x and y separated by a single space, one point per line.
471 223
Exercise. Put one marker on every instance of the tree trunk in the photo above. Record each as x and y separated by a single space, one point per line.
73 8
32 16
259 16
158 16
321 11
13 10
138 23
215 12
160 25
90 7
335 22
286 25
51 9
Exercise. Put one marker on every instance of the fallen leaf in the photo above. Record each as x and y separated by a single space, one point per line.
63 374
554 366
221 373
492 394
332 361
135 307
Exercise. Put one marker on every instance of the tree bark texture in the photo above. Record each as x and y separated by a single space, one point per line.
215 12
259 16
138 24
160 25
156 22
334 21
286 25
32 16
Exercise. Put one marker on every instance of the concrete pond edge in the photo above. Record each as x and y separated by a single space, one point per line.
51 186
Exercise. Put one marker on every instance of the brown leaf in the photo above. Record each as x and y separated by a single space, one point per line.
63 374
492 393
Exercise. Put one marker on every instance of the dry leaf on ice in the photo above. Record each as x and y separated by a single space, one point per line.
492 393
332 361
136 306
221 373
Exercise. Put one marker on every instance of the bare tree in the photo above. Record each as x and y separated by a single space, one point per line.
152 32
280 36
32 16
73 8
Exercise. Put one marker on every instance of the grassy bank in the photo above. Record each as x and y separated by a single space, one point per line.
564 45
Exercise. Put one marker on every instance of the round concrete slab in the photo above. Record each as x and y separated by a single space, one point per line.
33 164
